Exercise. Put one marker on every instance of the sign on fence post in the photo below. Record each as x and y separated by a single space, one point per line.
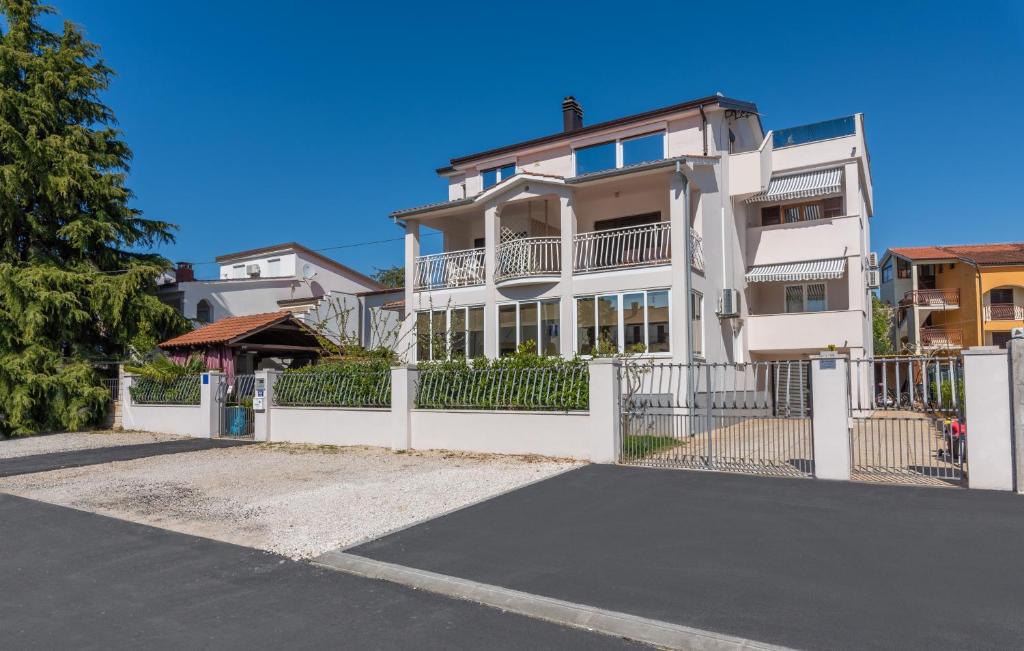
830 416
208 392
263 403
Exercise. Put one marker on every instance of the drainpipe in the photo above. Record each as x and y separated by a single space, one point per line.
687 261
703 129
980 328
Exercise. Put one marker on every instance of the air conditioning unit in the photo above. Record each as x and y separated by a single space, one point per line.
873 260
873 279
729 304
252 270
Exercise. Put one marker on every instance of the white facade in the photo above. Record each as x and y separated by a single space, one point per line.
609 215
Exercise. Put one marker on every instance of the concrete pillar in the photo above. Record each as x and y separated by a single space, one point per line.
679 218
412 251
830 416
567 222
1016 347
262 417
491 236
605 410
209 390
403 399
987 397
127 415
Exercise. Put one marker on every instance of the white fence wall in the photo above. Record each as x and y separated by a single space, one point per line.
331 426
183 420
508 432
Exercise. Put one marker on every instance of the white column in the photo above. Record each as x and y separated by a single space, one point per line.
1016 347
567 218
679 217
605 414
208 405
262 417
127 413
403 399
491 234
987 408
412 251
830 416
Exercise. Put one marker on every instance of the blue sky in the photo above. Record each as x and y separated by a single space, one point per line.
260 122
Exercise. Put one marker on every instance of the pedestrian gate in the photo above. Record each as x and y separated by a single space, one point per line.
751 418
908 420
234 401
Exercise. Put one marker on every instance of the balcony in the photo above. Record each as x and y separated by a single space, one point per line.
1003 312
616 248
939 299
450 269
938 338
528 260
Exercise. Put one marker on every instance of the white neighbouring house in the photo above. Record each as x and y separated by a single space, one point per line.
686 230
286 276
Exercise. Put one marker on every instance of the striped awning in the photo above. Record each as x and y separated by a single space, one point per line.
800 186
798 271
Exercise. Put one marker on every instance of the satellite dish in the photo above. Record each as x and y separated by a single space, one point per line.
307 271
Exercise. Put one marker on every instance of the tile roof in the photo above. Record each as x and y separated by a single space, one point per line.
226 329
982 254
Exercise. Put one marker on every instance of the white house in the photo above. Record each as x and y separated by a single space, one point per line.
288 277
686 231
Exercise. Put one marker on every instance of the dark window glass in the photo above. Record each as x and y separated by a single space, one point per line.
833 207
507 172
696 321
438 335
549 327
657 322
423 336
458 328
771 215
204 313
595 158
1001 296
585 333
608 321
633 320
476 332
643 149
528 325
506 329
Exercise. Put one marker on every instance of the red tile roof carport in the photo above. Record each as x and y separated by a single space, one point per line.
227 329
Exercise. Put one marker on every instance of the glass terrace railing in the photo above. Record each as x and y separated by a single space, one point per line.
813 132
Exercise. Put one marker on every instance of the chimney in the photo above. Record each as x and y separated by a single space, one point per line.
572 114
183 272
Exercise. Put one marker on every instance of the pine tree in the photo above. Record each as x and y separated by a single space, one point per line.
75 281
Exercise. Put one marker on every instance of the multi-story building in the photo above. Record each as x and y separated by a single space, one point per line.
685 231
288 277
953 297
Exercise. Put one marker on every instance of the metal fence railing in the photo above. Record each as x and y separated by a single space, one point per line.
179 391
696 251
113 387
631 246
528 256
532 389
356 388
449 269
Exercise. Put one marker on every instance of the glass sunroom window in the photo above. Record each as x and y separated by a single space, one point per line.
549 327
506 329
585 324
657 322
595 158
644 322
528 325
475 333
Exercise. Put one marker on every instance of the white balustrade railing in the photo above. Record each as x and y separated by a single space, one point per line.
630 246
527 257
450 269
1004 312
696 251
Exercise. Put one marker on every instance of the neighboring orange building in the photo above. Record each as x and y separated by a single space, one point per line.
953 297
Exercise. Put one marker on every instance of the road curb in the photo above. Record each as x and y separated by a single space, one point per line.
649 631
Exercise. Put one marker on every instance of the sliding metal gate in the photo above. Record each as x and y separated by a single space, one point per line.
908 420
751 418
235 407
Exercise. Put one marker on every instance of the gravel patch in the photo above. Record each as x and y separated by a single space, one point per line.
65 442
299 501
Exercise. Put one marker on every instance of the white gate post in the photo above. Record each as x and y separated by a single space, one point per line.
1016 347
127 414
605 415
830 416
208 405
987 398
262 418
403 398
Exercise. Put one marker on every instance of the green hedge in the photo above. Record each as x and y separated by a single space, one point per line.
178 391
335 384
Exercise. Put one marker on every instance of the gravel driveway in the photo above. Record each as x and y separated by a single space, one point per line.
299 501
65 442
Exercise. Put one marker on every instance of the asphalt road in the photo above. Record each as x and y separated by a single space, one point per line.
796 562
72 579
93 456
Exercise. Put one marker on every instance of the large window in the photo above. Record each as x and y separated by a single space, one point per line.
618 153
529 321
806 298
444 334
887 272
496 175
623 322
802 212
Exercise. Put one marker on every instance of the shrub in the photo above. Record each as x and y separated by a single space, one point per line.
161 381
338 383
